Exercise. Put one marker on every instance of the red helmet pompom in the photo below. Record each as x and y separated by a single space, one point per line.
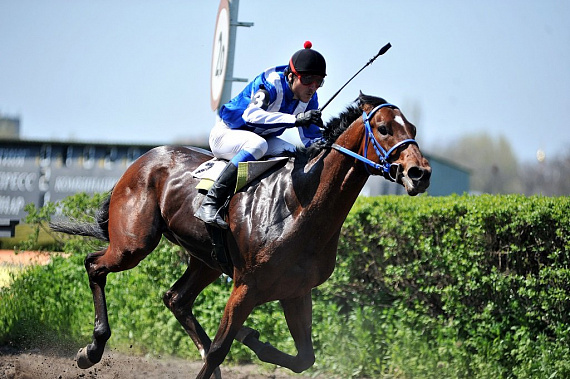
308 45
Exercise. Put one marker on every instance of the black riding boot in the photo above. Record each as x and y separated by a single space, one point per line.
221 190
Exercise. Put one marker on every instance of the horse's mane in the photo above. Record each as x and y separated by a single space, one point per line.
337 125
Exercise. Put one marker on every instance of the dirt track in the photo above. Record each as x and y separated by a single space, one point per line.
41 365
23 258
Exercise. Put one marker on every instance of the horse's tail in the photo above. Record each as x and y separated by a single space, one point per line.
99 229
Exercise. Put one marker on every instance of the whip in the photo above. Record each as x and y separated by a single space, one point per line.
381 52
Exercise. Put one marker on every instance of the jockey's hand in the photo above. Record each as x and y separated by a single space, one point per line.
308 118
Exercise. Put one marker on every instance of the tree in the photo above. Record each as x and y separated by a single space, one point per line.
494 168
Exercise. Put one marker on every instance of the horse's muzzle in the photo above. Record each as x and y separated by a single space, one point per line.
416 180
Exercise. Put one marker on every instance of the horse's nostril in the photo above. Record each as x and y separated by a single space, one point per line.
395 171
417 173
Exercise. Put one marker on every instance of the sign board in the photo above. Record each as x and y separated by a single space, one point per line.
220 54
38 172
22 174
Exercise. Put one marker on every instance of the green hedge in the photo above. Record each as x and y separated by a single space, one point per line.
478 285
427 287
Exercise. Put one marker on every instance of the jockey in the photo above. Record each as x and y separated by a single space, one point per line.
250 124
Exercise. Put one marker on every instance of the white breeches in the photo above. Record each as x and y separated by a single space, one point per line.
226 142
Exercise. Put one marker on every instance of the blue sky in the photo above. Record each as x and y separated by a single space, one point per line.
138 71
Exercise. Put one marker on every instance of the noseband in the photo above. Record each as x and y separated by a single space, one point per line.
384 164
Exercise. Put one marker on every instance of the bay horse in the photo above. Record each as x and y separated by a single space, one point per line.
283 230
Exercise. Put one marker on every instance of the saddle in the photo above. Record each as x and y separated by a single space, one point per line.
208 172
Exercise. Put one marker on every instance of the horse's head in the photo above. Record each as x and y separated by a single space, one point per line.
379 135
390 142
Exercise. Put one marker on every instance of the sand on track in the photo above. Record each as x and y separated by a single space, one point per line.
35 364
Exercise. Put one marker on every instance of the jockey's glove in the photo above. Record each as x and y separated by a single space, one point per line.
308 118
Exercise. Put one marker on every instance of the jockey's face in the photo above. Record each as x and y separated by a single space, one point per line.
303 92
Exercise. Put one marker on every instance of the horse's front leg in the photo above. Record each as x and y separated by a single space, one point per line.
92 353
238 308
298 314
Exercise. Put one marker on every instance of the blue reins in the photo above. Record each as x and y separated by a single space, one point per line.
384 164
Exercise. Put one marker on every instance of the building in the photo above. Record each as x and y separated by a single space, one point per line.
9 127
41 171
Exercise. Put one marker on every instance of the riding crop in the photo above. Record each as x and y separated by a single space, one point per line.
381 52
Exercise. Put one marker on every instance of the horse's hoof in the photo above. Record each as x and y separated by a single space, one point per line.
82 359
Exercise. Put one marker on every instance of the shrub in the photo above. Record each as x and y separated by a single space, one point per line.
487 276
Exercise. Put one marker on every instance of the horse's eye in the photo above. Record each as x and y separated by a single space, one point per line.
382 129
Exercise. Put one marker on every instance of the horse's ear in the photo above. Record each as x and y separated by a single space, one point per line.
362 100
361 97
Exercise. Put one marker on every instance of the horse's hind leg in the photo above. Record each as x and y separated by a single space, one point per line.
92 353
98 265
180 300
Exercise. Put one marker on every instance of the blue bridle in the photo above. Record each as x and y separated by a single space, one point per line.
383 155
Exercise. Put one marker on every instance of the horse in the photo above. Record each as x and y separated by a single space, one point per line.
283 229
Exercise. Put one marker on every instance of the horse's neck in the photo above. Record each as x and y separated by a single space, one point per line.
340 181
347 180
348 173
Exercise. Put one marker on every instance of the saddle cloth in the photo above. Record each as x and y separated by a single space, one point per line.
210 170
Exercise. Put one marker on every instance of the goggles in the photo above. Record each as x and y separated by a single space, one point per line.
309 79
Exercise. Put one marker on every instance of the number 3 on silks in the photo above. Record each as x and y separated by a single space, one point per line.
260 99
